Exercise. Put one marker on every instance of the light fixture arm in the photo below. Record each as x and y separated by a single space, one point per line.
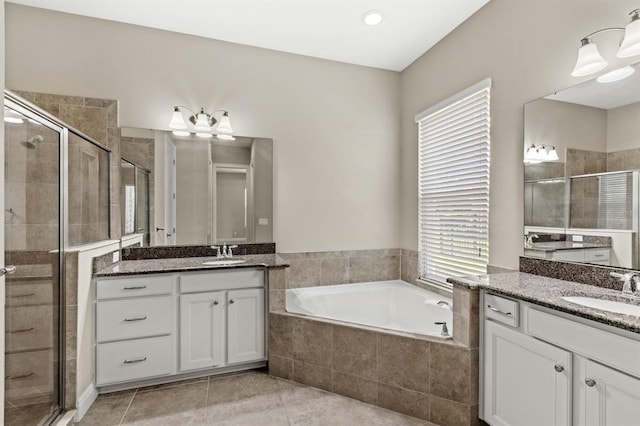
587 39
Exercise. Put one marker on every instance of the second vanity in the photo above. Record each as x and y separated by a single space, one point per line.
545 360
162 320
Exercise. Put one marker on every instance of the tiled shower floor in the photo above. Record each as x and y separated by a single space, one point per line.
245 399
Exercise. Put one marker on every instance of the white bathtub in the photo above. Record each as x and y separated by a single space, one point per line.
392 305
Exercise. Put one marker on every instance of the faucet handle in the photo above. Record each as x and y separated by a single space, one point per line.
229 252
218 249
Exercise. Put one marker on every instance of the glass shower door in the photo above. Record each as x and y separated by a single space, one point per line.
32 244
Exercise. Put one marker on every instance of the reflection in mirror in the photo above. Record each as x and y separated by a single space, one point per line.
134 198
584 206
207 191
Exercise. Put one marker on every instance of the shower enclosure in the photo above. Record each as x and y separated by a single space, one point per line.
56 195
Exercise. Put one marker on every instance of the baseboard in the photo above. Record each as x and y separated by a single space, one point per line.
85 400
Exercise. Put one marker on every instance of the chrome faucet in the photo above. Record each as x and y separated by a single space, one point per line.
226 251
445 303
529 238
631 281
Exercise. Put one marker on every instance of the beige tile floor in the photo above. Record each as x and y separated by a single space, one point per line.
246 399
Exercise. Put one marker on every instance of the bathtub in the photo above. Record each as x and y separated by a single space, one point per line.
391 305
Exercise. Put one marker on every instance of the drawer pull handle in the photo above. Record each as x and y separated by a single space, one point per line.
135 361
558 368
598 255
24 376
498 311
590 382
22 330
137 287
216 303
22 295
135 319
231 302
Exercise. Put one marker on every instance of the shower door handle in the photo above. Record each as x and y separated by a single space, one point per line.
9 269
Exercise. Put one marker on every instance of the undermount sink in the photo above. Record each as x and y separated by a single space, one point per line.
605 305
224 262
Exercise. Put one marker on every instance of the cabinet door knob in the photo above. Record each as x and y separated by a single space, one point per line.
231 302
216 303
590 382
558 368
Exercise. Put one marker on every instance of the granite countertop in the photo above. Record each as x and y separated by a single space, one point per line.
548 292
563 245
154 266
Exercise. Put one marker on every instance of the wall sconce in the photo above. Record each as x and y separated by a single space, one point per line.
538 154
591 61
203 124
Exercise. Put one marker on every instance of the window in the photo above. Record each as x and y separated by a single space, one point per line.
453 201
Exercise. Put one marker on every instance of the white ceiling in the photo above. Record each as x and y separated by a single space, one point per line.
328 29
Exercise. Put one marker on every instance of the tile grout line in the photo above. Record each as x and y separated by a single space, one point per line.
128 406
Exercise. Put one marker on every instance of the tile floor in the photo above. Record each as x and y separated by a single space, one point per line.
247 399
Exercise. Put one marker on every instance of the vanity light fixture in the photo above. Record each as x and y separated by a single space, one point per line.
372 17
589 58
616 75
203 124
538 154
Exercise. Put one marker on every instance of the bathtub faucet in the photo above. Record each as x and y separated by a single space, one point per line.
445 303
445 330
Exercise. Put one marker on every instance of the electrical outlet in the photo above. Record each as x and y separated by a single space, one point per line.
577 238
116 256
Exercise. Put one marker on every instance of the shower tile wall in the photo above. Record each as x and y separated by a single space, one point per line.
97 118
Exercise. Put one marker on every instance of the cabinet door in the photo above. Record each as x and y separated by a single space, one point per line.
246 325
526 381
202 330
611 398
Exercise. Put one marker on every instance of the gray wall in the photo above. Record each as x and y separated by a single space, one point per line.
335 126
529 48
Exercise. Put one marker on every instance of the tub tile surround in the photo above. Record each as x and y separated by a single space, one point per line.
416 376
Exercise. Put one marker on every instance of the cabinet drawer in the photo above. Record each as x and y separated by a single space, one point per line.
133 318
221 280
609 349
132 360
569 255
501 309
22 293
29 373
596 255
134 286
29 328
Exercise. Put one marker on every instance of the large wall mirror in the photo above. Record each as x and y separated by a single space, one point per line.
583 206
204 191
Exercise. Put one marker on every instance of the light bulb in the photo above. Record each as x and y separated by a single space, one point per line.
177 120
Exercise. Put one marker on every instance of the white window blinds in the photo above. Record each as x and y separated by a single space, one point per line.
454 154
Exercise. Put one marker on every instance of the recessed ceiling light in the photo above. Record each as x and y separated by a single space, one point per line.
372 17
616 75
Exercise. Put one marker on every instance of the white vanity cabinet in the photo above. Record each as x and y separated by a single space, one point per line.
177 324
202 330
527 381
554 369
221 318
134 328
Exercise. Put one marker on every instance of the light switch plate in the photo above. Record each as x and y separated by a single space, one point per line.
577 238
